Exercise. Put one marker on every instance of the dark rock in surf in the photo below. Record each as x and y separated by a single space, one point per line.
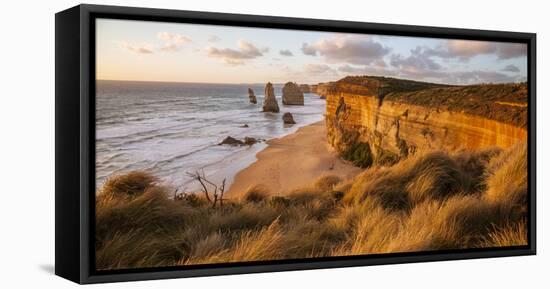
251 96
288 118
231 141
250 141
237 142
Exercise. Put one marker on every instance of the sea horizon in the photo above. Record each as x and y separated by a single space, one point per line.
198 82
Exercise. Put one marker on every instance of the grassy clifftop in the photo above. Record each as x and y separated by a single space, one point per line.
430 201
502 102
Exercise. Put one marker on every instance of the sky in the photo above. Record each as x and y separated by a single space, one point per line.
177 52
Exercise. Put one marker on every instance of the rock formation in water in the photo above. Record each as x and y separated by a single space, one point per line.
251 96
231 141
237 142
288 118
393 118
305 88
250 140
270 101
292 95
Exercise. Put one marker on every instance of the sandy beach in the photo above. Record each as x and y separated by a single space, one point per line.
292 162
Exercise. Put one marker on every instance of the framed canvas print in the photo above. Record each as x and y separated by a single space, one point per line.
194 144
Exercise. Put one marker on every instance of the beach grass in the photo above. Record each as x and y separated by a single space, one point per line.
429 201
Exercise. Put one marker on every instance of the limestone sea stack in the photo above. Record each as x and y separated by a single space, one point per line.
292 94
305 88
251 96
288 119
270 102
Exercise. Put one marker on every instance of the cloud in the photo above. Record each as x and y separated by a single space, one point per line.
231 56
511 50
347 49
422 62
481 76
510 68
309 49
172 38
286 52
467 49
319 69
233 62
169 47
346 68
434 75
213 38
172 41
143 48
374 69
419 59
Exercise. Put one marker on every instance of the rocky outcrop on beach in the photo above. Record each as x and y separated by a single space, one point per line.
270 101
292 95
288 118
251 96
393 118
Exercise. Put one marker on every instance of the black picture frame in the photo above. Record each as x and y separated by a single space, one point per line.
75 141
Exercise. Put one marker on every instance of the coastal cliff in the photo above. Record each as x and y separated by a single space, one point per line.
322 89
384 119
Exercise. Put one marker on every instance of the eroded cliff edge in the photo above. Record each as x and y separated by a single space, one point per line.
378 119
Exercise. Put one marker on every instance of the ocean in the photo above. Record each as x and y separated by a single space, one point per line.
169 129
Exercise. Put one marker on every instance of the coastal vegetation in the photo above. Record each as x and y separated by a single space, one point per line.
432 200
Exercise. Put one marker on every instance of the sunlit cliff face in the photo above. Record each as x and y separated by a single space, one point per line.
401 128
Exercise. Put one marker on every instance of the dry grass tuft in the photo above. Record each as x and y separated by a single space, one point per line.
507 181
131 184
327 183
256 194
506 236
424 177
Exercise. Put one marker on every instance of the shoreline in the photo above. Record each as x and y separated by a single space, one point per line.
294 161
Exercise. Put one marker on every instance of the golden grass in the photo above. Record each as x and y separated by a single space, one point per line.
326 183
256 194
508 235
427 202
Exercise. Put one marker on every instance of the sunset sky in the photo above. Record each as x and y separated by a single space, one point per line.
156 51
